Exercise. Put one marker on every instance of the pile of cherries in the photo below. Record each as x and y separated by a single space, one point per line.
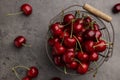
32 72
76 42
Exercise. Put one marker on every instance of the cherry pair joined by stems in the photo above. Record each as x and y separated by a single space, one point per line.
32 72
25 8
20 41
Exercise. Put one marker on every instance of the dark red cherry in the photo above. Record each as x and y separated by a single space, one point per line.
73 65
98 34
32 72
82 56
116 8
82 68
70 49
58 61
27 9
94 56
100 46
89 46
19 41
89 35
56 30
96 26
69 42
77 28
52 41
26 78
64 34
79 37
59 49
87 20
79 21
68 57
68 18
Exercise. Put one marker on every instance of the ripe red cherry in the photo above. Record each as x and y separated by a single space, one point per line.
82 56
82 68
56 78
64 34
68 57
87 20
77 28
89 46
96 26
52 41
59 49
58 61
79 37
70 49
98 34
56 30
27 9
69 42
68 18
94 56
100 46
19 41
89 34
116 8
26 78
32 72
73 65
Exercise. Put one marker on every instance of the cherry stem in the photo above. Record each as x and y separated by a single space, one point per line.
26 45
103 45
11 14
78 43
62 15
91 25
65 70
77 13
94 75
78 61
16 74
71 30
14 70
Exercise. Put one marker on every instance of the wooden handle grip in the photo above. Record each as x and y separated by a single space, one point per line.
97 12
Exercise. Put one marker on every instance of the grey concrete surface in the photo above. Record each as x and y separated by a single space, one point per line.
34 28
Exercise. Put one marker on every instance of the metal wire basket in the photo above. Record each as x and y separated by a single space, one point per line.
107 34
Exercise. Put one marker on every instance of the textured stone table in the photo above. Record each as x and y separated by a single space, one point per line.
34 28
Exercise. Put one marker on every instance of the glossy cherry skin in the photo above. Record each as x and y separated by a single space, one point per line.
116 8
68 57
58 61
68 18
89 46
52 41
96 26
70 49
89 34
98 34
56 78
27 9
26 78
70 42
87 20
82 56
94 56
56 30
82 68
32 72
73 65
77 28
79 37
19 41
59 49
100 46
64 34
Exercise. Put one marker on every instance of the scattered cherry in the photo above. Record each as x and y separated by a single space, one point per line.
32 72
116 8
26 78
27 9
19 41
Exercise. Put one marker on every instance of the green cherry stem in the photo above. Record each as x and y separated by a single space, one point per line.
26 45
21 67
16 74
78 43
71 30
94 75
78 61
11 14
65 70
103 45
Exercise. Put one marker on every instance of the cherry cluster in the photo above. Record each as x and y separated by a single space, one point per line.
32 72
76 42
